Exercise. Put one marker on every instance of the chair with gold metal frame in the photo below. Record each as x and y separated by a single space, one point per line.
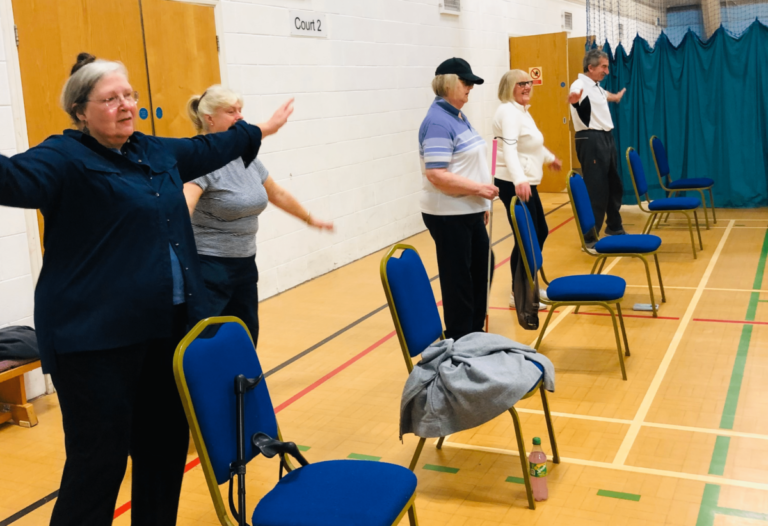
672 188
587 289
417 323
628 245
230 414
665 205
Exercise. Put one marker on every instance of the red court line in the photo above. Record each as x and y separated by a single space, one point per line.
558 226
733 321
194 463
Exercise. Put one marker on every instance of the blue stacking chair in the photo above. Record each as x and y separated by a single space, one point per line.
659 207
586 289
673 188
417 323
229 430
628 245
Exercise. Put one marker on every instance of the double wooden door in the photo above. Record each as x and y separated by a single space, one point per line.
169 48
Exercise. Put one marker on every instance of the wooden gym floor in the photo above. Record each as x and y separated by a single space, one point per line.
681 442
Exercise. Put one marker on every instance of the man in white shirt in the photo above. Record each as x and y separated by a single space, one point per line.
595 147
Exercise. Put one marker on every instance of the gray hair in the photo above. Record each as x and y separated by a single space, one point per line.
215 97
79 85
593 58
443 84
508 82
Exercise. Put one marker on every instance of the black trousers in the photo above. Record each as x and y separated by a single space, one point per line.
232 289
115 403
597 155
462 260
506 193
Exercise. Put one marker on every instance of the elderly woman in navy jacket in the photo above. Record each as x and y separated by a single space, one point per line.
119 286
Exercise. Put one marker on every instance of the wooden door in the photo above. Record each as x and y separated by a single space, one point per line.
51 34
182 60
576 52
549 104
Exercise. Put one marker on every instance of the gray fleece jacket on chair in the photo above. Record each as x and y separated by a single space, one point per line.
462 384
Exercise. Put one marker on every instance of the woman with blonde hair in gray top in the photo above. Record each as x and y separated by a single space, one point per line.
225 207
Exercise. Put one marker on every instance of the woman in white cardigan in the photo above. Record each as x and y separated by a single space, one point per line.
520 160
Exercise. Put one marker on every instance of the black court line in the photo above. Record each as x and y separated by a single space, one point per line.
29 509
32 507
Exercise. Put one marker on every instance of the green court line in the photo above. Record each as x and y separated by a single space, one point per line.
441 469
709 508
358 456
618 495
516 480
719 456
737 376
304 448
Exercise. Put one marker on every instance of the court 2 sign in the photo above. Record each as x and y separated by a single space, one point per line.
308 24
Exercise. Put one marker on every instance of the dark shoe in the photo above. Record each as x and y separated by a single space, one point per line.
619 232
590 247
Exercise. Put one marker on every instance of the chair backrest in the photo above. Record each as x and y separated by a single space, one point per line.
637 174
582 206
660 158
205 366
411 301
525 235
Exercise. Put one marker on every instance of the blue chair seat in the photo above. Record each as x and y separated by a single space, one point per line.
338 493
675 203
698 182
587 288
536 383
628 244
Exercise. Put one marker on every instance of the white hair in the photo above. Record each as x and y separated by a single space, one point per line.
79 85
214 98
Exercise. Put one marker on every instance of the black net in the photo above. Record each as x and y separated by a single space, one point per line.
620 21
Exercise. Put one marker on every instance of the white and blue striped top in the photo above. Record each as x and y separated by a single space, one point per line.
448 140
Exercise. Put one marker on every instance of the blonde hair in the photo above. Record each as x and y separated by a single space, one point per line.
212 99
85 74
508 82
443 84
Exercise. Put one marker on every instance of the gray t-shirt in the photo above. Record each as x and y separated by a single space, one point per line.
226 218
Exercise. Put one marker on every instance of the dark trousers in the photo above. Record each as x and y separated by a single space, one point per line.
232 289
462 260
506 193
115 403
597 155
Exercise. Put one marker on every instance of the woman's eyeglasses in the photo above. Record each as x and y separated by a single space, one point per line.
525 83
114 101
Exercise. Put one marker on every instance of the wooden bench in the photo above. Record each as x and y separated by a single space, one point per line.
13 392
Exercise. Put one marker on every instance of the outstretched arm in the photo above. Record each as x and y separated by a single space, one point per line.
615 97
284 200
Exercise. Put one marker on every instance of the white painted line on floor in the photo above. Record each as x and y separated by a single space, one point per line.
696 288
721 481
653 389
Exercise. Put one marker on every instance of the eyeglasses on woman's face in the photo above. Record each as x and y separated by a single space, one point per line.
129 99
525 83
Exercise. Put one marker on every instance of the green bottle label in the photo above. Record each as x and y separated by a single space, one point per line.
538 470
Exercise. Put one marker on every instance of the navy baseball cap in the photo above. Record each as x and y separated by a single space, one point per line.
460 67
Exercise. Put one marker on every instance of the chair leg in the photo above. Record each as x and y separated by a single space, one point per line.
602 264
413 520
704 206
623 330
543 276
661 283
712 204
594 265
440 443
650 286
647 224
550 425
690 231
618 340
523 457
698 230
544 328
416 454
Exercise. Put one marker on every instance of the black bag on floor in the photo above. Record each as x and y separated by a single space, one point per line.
18 343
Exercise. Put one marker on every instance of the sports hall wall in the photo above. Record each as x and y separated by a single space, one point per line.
349 152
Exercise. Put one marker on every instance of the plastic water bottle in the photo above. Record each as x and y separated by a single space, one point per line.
537 461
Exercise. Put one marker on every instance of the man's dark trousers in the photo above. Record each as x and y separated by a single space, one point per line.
596 151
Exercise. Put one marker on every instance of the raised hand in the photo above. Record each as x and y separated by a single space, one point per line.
278 119
574 98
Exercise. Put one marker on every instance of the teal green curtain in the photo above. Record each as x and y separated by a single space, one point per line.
708 102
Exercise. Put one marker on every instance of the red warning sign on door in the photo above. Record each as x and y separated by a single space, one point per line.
536 75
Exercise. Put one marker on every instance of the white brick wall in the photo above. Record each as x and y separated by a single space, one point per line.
350 151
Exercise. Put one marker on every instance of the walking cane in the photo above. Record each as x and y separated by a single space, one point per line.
490 242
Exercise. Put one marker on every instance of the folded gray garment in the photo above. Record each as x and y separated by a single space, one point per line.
462 384
18 342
